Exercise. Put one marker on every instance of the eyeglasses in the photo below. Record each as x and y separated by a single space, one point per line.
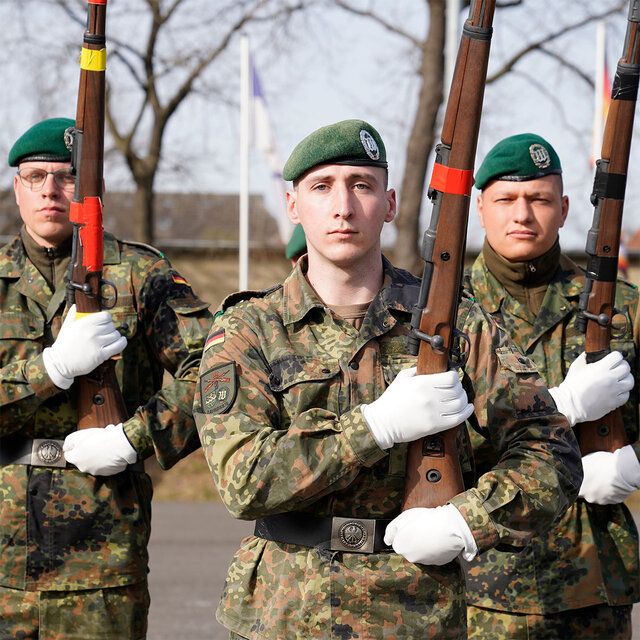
34 179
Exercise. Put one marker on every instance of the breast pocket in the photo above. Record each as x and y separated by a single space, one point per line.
189 313
21 335
392 365
303 383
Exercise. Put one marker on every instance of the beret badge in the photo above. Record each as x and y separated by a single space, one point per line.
369 144
540 156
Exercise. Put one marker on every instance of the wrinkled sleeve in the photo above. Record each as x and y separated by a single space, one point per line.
262 461
24 386
175 323
538 471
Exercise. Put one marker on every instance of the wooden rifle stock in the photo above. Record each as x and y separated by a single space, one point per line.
100 401
433 474
597 302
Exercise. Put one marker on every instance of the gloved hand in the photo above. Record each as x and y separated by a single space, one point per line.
590 391
431 536
609 478
81 346
100 452
414 406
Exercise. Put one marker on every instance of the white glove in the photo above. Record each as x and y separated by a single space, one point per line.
431 536
81 346
414 406
100 452
590 391
609 478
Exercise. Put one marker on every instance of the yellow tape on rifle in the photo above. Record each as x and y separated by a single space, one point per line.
93 59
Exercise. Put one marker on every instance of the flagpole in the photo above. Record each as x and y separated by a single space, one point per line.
452 40
245 114
598 108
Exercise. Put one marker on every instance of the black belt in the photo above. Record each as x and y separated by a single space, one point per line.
40 452
354 535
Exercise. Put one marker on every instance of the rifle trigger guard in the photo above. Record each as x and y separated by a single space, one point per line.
111 300
459 355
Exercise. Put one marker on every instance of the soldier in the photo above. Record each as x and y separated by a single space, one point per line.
580 578
297 245
74 532
306 399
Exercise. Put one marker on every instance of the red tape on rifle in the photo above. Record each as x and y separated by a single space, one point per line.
97 1
449 180
88 215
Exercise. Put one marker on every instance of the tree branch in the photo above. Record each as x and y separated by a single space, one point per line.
545 39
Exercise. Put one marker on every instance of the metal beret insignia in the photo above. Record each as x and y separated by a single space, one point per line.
540 156
369 144
219 388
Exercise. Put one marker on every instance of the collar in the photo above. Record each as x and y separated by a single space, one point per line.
567 280
399 291
13 256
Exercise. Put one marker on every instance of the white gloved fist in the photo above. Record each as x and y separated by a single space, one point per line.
590 391
431 536
609 478
414 406
81 346
100 451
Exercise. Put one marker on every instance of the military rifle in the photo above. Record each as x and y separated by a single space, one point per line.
100 400
597 301
433 474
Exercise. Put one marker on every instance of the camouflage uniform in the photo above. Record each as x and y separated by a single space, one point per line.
63 530
590 557
278 412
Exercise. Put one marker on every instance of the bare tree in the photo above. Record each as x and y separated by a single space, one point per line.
170 53
430 77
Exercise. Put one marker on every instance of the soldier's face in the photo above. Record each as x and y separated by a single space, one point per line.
522 219
342 210
45 212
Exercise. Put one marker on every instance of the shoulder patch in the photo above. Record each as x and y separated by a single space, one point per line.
219 388
239 296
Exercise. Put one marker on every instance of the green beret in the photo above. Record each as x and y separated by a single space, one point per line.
297 244
518 158
353 142
43 142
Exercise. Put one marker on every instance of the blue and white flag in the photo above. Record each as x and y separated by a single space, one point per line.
264 141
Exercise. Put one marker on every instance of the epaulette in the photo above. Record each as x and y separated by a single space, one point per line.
148 247
239 296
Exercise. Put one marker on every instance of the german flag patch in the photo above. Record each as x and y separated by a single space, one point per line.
215 338
178 279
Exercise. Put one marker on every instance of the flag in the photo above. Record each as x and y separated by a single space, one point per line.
264 141
623 259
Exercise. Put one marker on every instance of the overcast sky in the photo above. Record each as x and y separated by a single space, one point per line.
335 67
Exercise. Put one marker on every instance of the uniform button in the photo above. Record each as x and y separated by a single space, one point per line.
326 371
33 492
385 323
522 361
354 365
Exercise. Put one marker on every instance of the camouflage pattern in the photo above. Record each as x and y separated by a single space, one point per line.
62 529
117 613
590 557
599 622
295 440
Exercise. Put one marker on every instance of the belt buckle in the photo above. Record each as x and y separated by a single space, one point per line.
47 453
354 535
